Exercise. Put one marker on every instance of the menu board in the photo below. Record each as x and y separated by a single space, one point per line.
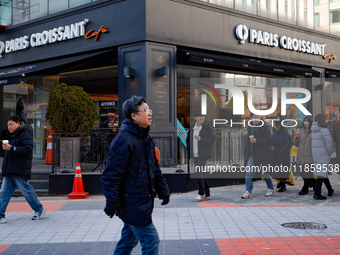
160 95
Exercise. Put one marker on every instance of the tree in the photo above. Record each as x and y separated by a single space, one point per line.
70 110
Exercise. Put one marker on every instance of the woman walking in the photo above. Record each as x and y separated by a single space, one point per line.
304 155
322 148
282 143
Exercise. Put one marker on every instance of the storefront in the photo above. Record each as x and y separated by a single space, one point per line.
166 51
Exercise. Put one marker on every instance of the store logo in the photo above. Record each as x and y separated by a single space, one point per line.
242 33
91 33
238 100
330 57
160 60
132 59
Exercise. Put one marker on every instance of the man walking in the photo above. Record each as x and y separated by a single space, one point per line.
16 167
132 178
258 152
200 140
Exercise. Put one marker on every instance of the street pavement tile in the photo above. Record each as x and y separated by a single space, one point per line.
14 249
4 247
85 248
48 249
66 248
288 252
83 205
25 207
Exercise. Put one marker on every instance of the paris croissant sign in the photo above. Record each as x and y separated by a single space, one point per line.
271 39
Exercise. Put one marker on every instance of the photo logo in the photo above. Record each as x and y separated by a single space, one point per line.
238 102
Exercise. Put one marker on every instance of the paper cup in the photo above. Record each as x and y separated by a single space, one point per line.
5 141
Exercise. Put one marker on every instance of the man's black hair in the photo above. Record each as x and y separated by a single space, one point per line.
16 119
198 113
131 106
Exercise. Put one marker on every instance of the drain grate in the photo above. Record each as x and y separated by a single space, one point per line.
304 225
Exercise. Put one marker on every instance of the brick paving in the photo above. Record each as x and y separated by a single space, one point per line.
226 224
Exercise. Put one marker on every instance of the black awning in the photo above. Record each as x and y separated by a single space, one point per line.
13 75
250 64
332 74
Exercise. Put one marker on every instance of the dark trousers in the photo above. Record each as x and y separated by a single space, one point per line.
203 187
318 185
308 183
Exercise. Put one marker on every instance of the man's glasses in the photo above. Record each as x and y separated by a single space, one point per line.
146 110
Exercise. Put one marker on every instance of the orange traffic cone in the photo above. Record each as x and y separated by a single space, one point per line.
78 187
48 158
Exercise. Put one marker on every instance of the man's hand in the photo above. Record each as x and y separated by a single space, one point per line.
165 200
6 147
112 209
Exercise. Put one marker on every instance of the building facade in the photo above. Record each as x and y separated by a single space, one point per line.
171 52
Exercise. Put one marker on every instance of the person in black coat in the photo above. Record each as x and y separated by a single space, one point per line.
16 167
282 142
258 153
200 140
132 178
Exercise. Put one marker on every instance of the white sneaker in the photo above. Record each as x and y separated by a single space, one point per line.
269 193
207 198
3 220
246 194
38 215
200 197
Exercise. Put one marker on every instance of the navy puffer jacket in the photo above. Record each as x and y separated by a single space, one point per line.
282 142
18 162
261 150
132 176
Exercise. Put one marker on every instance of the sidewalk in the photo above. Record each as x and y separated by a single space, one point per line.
226 224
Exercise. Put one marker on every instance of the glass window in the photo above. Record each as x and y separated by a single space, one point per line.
335 16
305 13
246 6
74 3
20 11
268 8
38 8
316 2
5 12
57 6
226 3
317 19
287 11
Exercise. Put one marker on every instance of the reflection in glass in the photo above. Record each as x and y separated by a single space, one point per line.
305 13
226 3
75 3
246 6
57 6
268 8
6 12
21 11
38 8
287 11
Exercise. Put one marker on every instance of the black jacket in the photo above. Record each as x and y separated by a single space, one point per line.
205 145
282 142
261 150
18 162
132 176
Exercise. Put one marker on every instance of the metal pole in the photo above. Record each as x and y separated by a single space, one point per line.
229 147
53 153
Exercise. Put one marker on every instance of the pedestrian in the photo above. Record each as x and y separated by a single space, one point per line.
17 166
282 143
304 160
336 138
200 140
322 148
258 152
132 178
